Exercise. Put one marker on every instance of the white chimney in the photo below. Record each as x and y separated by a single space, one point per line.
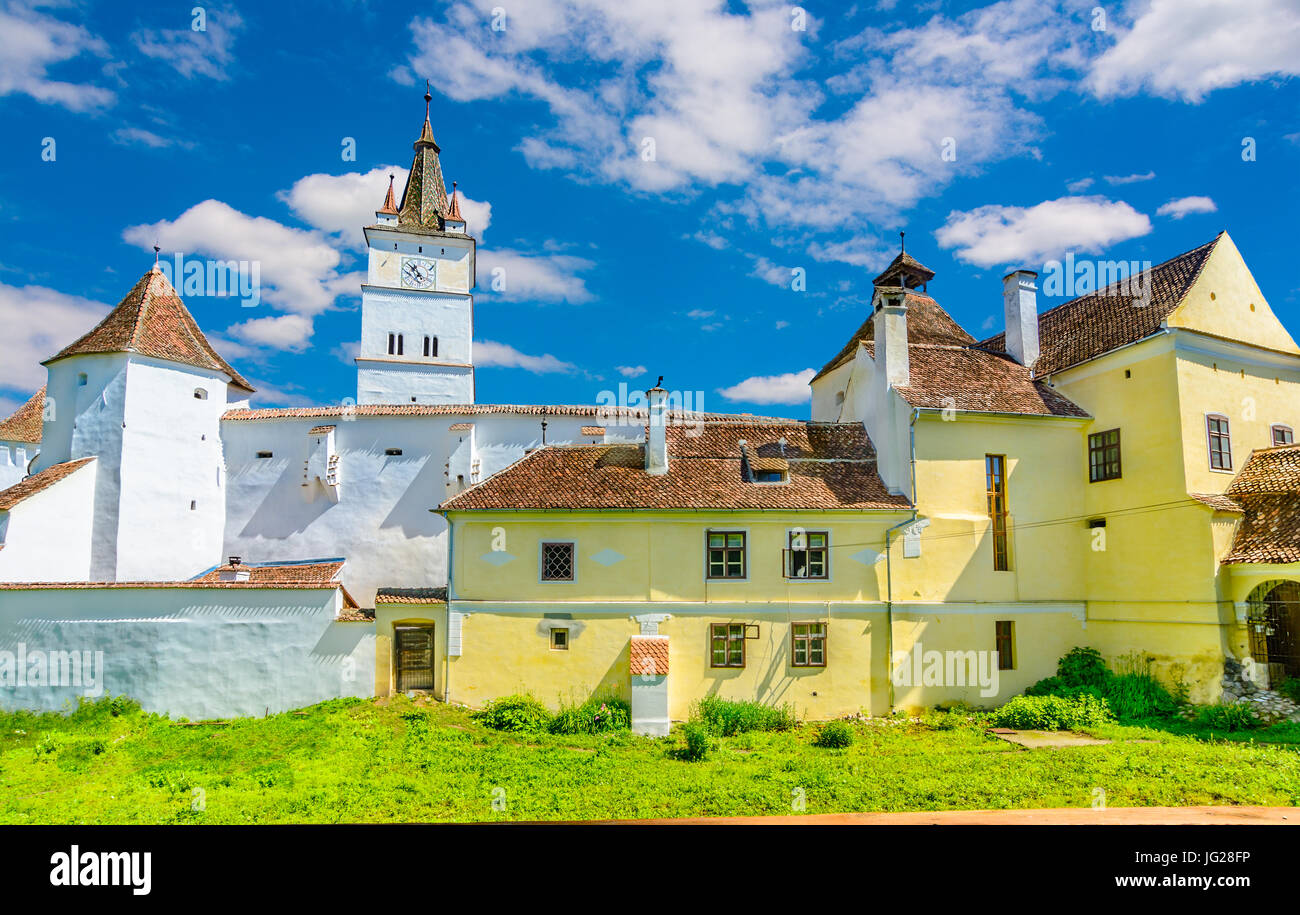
891 337
234 571
656 442
1020 305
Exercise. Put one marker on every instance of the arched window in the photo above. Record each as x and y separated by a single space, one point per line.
200 394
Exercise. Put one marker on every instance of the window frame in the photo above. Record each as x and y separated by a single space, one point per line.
998 511
1005 638
565 638
1281 427
787 565
744 555
1102 463
573 560
729 640
808 638
1210 436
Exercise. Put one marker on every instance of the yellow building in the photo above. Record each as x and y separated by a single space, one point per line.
957 515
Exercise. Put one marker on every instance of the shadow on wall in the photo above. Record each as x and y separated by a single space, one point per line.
284 513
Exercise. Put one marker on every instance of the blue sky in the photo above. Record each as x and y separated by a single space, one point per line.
784 138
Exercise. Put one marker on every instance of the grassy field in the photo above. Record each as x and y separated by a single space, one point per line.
403 760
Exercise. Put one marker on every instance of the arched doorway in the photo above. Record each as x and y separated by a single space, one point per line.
1273 620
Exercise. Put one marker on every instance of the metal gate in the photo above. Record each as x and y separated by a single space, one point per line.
1274 624
414 649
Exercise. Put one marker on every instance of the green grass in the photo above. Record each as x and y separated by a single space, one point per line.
404 760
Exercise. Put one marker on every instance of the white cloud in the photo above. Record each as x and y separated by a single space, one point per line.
769 272
790 388
631 371
342 204
284 332
501 355
782 325
138 136
1129 179
39 322
1188 48
1011 235
1185 206
31 43
516 276
1078 187
204 53
699 314
299 268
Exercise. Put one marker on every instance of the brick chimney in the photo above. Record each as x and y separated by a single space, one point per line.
656 442
1020 304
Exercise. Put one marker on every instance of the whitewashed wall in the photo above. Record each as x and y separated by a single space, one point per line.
14 457
193 652
47 536
381 523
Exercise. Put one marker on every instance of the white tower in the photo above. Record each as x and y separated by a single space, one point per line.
417 305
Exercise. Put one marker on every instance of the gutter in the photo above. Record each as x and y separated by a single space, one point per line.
889 571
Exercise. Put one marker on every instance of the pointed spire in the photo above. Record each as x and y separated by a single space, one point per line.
453 209
390 202
904 270
424 201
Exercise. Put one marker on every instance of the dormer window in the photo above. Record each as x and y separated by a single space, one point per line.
769 476
1283 435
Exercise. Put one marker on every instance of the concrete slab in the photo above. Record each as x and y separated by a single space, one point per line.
1038 740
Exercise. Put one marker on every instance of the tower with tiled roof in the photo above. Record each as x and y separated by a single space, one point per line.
417 305
143 392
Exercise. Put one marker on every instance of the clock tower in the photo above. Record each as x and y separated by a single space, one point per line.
417 304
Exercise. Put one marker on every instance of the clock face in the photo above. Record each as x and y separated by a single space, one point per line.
417 272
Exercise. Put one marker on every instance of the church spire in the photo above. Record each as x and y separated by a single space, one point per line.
390 202
424 202
453 209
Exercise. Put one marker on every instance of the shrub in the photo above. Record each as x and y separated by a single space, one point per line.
1231 716
519 712
1290 687
1083 667
698 742
727 717
834 735
1053 713
595 716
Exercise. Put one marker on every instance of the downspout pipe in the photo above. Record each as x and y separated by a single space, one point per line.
446 626
889 570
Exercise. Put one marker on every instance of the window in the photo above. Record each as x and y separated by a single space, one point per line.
727 641
431 346
559 640
394 344
265 454
809 555
1282 435
726 557
392 452
200 394
557 562
426 346
808 644
193 504
995 474
81 379
769 476
1103 456
1220 441
1005 639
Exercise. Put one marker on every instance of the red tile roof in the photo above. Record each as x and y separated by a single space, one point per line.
39 482
832 466
1091 325
927 322
153 321
411 596
1268 488
648 656
1217 502
969 379
25 425
320 571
